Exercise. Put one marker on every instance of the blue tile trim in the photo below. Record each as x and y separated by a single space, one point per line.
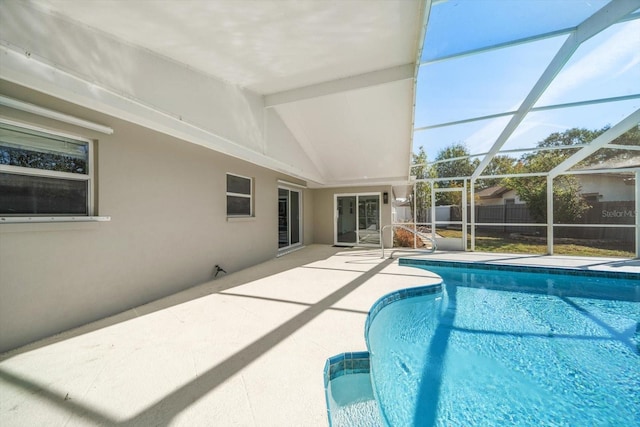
397 296
567 271
343 364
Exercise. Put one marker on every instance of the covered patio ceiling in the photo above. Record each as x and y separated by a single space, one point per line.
327 86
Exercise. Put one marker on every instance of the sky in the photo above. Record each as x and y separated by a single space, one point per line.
607 65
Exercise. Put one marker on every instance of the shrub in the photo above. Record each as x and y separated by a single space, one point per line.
404 239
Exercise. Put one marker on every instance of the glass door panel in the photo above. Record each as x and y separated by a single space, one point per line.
294 216
369 220
283 218
346 226
289 221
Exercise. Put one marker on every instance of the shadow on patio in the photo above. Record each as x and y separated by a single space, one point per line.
168 365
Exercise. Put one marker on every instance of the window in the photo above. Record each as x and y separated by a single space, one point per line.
591 197
239 196
42 173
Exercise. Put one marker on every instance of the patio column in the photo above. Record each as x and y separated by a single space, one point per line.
637 213
549 215
472 214
433 210
415 212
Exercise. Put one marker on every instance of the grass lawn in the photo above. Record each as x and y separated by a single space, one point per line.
507 244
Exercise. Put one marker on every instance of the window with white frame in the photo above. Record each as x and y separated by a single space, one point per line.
239 196
43 173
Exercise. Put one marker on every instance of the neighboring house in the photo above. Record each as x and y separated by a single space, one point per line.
607 187
610 186
496 195
596 187
130 165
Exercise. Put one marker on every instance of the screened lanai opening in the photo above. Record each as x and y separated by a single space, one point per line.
526 128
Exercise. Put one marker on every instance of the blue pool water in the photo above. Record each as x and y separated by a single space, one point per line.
354 403
497 348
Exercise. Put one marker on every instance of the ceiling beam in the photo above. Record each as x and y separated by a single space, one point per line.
374 78
630 121
599 21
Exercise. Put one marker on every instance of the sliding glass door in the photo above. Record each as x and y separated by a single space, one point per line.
289 223
346 226
369 220
357 219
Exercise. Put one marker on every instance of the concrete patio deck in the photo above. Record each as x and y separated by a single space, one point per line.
246 349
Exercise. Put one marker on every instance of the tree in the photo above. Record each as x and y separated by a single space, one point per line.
422 194
461 167
570 137
499 165
631 137
568 204
584 136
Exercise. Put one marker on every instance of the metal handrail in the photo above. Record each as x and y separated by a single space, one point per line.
433 248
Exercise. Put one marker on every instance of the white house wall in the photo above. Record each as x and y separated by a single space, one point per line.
282 145
168 229
611 188
369 146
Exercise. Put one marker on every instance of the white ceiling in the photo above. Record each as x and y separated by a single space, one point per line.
354 136
266 46
340 74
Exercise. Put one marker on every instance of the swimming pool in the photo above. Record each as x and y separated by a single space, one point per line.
508 347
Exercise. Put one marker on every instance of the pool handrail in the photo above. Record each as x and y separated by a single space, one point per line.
417 233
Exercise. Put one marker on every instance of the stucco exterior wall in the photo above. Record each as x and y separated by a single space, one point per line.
611 188
168 229
325 217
